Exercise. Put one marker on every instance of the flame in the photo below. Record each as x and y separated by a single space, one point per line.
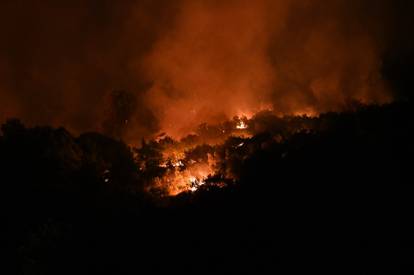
188 174
188 180
307 112
241 125
182 174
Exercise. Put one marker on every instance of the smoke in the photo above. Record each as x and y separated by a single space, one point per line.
189 62
60 61
238 57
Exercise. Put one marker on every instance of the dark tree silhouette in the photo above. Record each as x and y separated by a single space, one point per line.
328 194
122 105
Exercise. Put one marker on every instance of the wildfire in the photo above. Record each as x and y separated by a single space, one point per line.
308 112
241 125
191 179
181 170
197 160
195 183
178 164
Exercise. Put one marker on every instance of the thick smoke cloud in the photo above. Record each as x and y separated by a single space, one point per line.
60 60
189 62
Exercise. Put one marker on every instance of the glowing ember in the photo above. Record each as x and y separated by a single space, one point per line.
241 125
195 183
178 164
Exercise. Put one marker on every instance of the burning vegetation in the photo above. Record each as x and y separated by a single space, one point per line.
272 175
211 157
222 127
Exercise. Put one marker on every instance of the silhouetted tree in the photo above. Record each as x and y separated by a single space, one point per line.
122 105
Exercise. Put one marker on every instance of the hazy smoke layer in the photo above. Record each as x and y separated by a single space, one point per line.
188 62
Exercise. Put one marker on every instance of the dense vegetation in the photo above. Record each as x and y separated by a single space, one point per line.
332 197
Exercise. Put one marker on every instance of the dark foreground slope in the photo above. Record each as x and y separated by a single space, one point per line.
337 199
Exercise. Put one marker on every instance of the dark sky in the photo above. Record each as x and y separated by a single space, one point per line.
59 60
